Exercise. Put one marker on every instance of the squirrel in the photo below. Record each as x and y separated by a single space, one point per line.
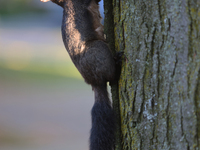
83 37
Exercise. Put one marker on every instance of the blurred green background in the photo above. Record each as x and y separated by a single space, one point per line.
44 102
19 6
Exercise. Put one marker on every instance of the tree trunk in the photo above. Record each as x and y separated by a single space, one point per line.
159 87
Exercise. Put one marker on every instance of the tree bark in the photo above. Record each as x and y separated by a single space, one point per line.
159 87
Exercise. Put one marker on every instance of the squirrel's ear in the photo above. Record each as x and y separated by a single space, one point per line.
89 1
59 2
98 1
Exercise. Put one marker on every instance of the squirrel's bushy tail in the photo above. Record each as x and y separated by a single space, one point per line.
103 123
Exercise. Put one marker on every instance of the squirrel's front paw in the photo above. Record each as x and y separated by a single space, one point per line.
118 58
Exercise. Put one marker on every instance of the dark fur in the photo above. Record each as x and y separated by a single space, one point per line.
92 57
102 132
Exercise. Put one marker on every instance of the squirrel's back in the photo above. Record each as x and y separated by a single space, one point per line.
83 37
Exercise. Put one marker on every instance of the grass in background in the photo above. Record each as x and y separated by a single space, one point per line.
38 79
43 75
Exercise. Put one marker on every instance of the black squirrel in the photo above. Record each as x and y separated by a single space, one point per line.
84 40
